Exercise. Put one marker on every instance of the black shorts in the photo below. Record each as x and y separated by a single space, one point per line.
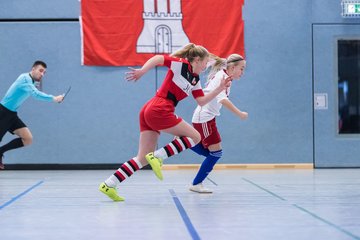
9 121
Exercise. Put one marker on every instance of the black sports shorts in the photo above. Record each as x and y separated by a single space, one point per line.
9 121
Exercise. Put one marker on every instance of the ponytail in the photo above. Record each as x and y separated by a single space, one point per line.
215 64
191 51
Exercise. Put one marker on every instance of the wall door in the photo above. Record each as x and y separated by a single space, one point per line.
336 78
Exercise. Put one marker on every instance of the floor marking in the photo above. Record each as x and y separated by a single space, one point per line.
327 222
306 211
211 181
275 195
184 216
20 195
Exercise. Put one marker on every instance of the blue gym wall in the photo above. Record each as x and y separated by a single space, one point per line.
98 122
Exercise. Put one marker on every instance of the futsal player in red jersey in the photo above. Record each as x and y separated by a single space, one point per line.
157 115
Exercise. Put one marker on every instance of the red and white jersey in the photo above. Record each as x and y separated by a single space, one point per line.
180 81
212 109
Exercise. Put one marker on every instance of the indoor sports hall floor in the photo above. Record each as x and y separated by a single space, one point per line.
246 204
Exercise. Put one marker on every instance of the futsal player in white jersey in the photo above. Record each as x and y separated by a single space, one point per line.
204 117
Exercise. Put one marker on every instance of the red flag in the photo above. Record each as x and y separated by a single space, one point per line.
128 32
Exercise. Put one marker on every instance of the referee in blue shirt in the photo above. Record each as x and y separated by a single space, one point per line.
19 91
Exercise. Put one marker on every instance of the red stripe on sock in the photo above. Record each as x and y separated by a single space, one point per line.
176 142
187 142
134 164
171 151
120 175
127 170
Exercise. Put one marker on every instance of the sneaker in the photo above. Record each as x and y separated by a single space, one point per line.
2 167
110 192
155 164
199 188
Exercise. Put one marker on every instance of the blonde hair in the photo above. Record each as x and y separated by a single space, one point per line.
191 51
217 63
234 60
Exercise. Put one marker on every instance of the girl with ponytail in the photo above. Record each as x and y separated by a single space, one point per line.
204 116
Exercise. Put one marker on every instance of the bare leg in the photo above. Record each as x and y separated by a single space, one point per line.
215 147
186 130
25 138
25 135
147 143
188 137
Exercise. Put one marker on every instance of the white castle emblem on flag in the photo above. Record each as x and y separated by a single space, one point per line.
162 31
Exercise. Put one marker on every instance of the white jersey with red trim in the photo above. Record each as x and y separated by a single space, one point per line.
180 81
212 109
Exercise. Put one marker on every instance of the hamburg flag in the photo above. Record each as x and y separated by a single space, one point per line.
128 32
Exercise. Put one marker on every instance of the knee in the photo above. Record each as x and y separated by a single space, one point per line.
27 140
196 138
216 155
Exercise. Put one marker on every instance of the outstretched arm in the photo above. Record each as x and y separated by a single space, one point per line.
229 105
136 74
34 92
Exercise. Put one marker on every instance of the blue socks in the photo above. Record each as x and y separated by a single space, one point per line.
199 149
207 165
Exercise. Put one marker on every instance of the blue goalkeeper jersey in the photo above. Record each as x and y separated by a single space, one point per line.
21 90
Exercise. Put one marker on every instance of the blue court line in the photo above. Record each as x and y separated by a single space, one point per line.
307 211
20 195
184 216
